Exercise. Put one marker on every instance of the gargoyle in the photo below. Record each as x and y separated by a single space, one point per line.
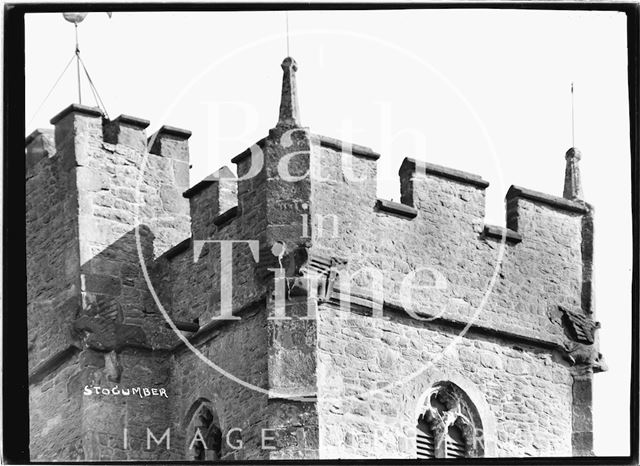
582 343
585 356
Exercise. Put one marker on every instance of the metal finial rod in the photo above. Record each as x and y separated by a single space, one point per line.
573 141
78 66
287 21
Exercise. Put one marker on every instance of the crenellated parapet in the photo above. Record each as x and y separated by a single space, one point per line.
440 191
111 191
291 269
300 188
211 201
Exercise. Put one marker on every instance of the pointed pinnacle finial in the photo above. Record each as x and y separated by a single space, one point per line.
572 181
289 111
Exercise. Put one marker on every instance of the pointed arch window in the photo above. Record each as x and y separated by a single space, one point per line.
450 426
204 435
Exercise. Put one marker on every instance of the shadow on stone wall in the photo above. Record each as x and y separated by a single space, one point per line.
117 308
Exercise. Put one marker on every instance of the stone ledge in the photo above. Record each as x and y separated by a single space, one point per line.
177 249
49 365
76 108
185 326
196 188
245 153
553 201
206 331
179 133
366 302
444 172
396 208
136 122
310 396
222 174
226 216
344 147
496 232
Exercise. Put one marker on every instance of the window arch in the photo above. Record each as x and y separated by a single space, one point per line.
449 425
203 433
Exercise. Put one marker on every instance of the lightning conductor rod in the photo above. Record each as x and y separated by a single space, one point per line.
287 23
573 139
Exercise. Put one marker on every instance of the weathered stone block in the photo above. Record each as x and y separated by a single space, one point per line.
128 131
103 284
170 142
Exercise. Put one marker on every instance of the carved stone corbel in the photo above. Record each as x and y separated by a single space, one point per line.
308 273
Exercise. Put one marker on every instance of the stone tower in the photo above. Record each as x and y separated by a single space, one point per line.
287 312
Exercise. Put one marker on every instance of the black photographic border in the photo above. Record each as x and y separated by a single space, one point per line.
15 401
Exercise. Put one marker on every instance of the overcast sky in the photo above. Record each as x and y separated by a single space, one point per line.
485 91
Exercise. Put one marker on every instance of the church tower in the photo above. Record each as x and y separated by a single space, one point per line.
286 312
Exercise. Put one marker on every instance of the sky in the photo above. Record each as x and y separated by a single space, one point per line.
484 91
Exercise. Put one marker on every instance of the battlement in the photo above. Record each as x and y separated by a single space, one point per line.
115 235
219 191
81 122
97 190
283 181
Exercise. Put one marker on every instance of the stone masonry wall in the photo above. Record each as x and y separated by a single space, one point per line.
109 197
267 211
105 417
450 263
128 197
238 348
55 416
104 190
532 278
53 285
528 391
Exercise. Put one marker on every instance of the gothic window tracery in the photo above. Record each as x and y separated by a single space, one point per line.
450 426
204 435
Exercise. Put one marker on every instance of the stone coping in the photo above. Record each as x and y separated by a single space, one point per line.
342 146
196 188
245 153
553 201
179 133
396 208
76 108
496 232
186 243
226 216
177 249
206 331
444 172
132 121
37 132
209 180
323 141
